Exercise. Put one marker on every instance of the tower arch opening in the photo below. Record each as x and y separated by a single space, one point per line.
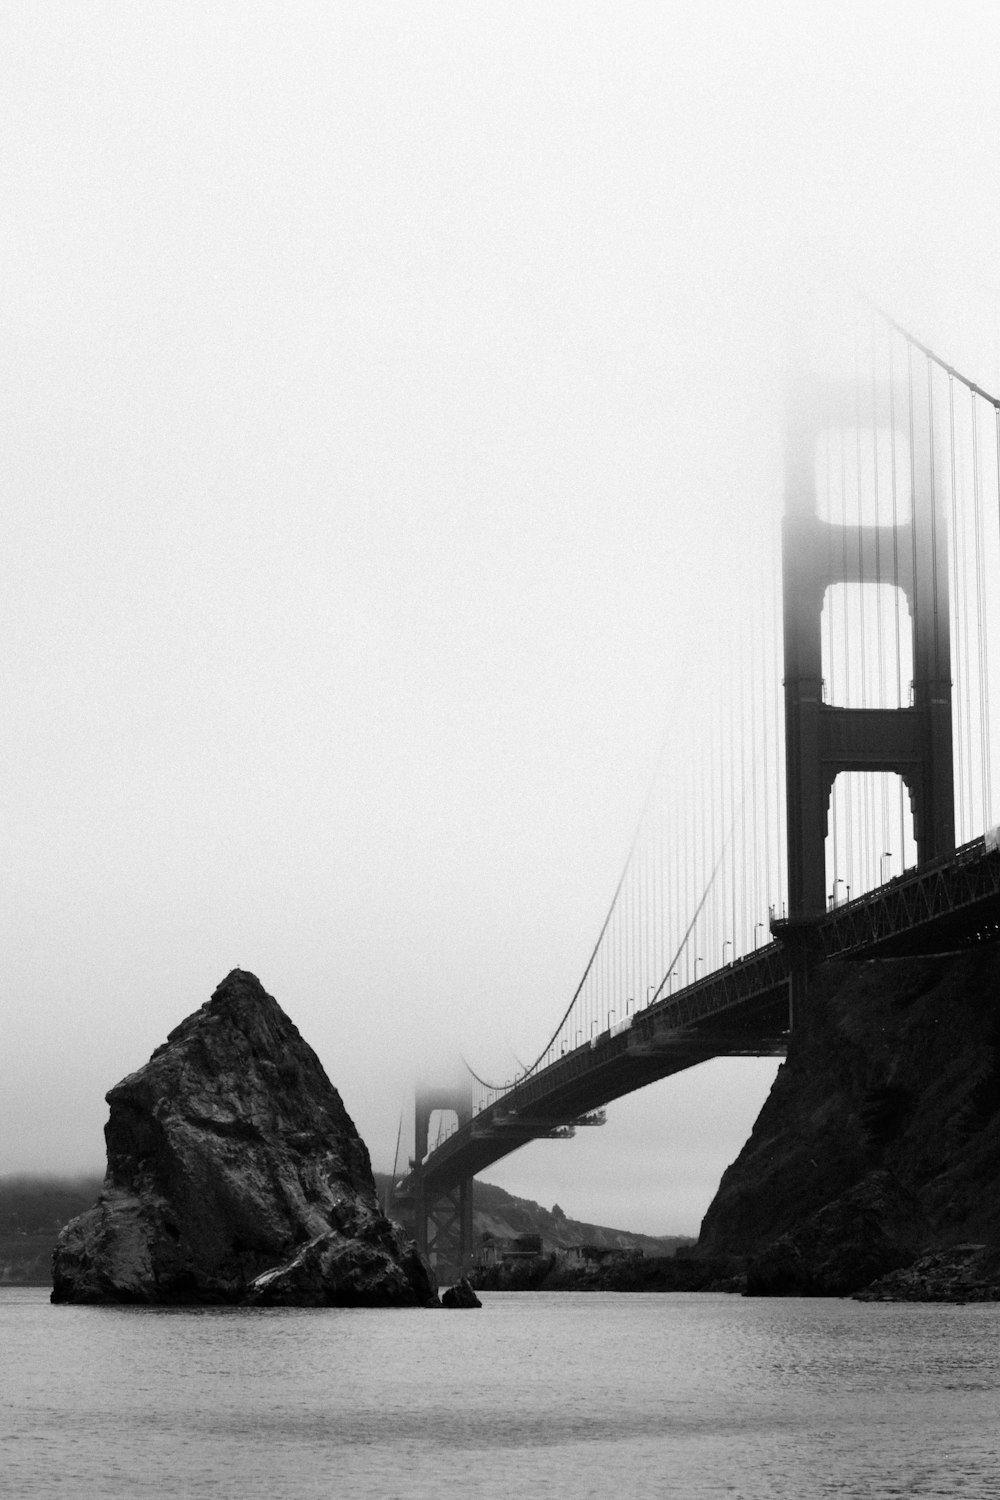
867 646
870 835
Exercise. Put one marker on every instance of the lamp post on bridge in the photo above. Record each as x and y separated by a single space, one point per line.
756 940
883 858
727 944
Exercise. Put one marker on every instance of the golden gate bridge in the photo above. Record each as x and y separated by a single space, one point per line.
835 797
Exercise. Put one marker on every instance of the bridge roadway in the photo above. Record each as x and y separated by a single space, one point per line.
739 1010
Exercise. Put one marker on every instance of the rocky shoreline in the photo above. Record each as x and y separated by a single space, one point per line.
639 1273
964 1273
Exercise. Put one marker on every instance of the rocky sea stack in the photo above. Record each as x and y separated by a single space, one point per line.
235 1174
875 1162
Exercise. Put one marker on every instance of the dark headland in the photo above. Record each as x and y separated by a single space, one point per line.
235 1174
873 1169
874 1165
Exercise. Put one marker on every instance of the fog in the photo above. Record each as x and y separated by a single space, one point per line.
392 402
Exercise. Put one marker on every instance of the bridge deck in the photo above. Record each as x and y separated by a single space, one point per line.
741 1009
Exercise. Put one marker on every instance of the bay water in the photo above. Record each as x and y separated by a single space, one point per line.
550 1395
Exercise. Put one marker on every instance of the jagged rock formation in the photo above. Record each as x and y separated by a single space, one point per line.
880 1141
235 1174
460 1295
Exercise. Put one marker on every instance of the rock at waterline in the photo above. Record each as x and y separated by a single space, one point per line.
460 1295
235 1174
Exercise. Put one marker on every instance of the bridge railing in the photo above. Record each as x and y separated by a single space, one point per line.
896 911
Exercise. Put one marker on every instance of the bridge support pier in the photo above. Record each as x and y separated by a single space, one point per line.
443 1216
444 1228
799 940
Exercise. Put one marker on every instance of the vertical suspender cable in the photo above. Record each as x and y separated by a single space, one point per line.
932 518
766 688
883 786
661 900
743 805
865 789
996 441
779 739
915 599
702 834
982 625
898 833
959 612
831 676
651 909
843 804
737 935
711 788
755 688
674 884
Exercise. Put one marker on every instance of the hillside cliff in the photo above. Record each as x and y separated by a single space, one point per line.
880 1140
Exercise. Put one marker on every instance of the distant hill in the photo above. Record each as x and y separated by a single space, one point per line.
500 1214
34 1209
32 1212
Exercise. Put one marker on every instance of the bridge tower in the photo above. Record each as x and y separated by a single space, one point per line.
443 1216
822 739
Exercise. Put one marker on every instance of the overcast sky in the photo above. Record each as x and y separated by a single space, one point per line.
390 392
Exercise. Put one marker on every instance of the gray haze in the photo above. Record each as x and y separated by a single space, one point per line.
390 394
